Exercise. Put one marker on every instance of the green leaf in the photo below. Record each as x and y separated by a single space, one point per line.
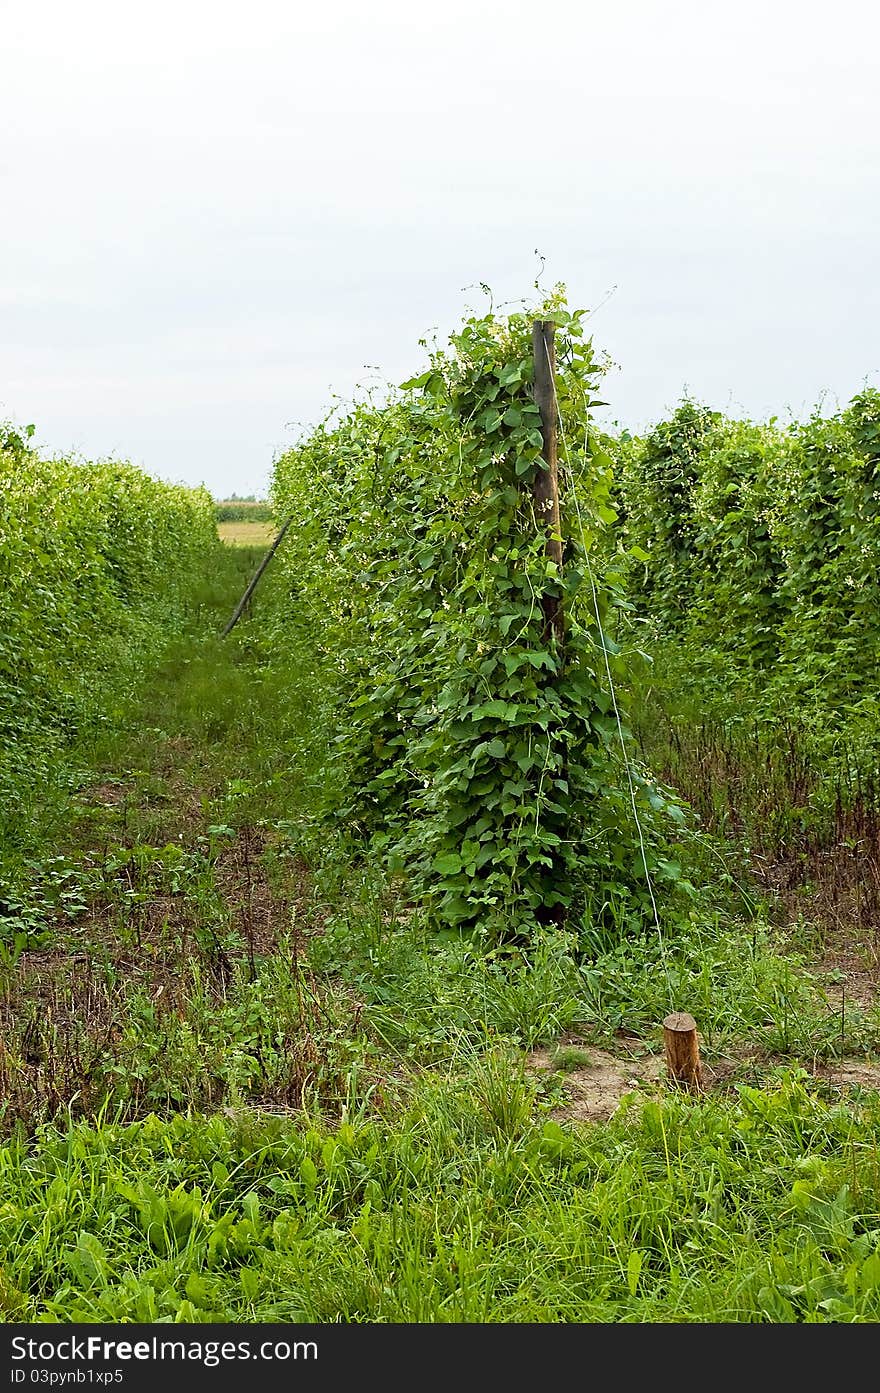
413 383
669 870
88 1260
448 863
634 1270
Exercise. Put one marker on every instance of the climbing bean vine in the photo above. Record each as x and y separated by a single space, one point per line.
482 757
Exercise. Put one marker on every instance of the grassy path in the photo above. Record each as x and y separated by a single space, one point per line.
164 973
263 1093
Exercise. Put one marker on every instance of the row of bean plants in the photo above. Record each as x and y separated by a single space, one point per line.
762 547
96 563
482 758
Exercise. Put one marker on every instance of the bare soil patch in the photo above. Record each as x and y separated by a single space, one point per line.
595 1087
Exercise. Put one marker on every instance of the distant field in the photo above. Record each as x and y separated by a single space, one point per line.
243 510
246 534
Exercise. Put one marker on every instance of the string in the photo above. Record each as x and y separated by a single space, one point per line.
611 688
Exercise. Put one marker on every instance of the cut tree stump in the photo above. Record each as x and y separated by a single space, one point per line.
682 1050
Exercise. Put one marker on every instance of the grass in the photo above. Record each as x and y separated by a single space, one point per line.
243 1081
789 800
570 1057
471 1206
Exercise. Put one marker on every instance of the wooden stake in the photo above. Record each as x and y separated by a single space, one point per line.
245 599
546 487
682 1050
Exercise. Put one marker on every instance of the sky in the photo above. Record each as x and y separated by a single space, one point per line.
217 219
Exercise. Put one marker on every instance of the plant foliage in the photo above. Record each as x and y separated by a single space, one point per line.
480 754
95 561
761 547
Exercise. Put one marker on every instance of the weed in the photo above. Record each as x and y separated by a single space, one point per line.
567 1058
468 1207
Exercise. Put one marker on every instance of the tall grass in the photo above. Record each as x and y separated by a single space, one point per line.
469 1206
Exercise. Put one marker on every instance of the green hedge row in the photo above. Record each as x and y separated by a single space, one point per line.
480 756
95 564
761 548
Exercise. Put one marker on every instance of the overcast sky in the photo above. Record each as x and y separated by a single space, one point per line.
215 215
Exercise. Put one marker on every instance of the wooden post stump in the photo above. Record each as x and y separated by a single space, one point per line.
682 1050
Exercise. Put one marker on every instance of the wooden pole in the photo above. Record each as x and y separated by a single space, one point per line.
245 599
682 1050
545 497
546 487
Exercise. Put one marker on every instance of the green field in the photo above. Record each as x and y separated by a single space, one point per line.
246 534
334 954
